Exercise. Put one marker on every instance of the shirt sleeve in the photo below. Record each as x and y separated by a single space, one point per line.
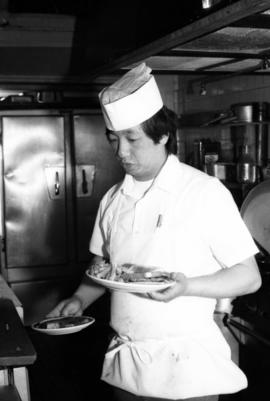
97 244
228 236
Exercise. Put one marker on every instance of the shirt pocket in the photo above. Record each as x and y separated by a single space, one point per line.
177 248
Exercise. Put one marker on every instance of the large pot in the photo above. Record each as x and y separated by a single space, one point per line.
251 112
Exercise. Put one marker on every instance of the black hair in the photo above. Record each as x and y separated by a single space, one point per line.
164 122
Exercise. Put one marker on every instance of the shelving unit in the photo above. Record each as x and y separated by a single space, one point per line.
234 135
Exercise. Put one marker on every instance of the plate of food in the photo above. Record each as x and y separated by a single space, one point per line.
63 324
129 277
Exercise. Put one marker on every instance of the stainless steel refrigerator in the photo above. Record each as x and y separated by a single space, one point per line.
56 165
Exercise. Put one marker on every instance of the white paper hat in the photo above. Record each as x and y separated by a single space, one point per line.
131 100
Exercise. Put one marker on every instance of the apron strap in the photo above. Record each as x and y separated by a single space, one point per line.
120 342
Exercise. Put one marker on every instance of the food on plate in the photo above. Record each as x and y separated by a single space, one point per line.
62 322
128 273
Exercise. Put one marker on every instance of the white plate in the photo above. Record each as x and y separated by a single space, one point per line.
130 287
255 212
63 330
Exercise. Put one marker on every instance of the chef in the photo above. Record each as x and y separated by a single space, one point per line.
175 218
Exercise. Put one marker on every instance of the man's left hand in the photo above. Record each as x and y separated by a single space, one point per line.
174 291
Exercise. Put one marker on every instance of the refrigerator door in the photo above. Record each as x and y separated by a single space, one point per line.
96 171
34 190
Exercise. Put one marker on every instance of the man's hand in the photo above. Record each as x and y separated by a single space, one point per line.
174 291
68 307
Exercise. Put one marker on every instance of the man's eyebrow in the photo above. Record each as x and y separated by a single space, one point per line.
131 133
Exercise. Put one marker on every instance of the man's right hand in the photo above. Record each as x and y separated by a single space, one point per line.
68 307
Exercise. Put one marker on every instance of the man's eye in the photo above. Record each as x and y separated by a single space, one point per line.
132 139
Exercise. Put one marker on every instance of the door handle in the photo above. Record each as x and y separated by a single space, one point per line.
84 182
55 178
57 184
85 175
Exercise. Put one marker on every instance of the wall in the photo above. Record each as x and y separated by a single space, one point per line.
221 94
169 88
168 85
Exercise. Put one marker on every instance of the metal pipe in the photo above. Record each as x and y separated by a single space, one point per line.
251 332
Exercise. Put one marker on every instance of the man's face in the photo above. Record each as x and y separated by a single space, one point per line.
138 154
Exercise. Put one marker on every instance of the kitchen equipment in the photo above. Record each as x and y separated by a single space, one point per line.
223 171
255 212
56 166
223 118
246 169
261 141
251 112
198 154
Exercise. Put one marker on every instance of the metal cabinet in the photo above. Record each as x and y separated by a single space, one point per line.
96 169
55 169
34 190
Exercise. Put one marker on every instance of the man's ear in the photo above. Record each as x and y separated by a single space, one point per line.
164 139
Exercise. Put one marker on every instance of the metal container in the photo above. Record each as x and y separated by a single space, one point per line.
251 112
224 171
246 168
198 152
246 173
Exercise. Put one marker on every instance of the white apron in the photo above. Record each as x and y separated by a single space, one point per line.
159 359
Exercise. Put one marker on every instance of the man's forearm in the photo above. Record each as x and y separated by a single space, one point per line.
243 278
88 292
230 282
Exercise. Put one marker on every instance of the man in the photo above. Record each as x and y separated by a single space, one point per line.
173 217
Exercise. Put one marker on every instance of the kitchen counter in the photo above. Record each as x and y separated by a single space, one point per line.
6 292
20 373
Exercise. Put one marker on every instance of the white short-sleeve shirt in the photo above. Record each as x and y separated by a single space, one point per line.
187 221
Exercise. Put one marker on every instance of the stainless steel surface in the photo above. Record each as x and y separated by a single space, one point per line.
224 171
56 169
255 212
35 225
198 152
246 168
93 154
251 112
246 173
85 177
55 179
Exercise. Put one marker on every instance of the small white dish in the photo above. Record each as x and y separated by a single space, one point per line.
78 323
142 287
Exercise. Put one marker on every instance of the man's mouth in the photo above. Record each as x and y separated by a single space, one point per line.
126 163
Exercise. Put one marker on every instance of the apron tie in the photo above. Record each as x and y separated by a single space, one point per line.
119 342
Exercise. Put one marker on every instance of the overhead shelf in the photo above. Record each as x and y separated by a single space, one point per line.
232 40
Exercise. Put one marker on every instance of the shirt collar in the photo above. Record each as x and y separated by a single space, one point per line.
168 175
165 179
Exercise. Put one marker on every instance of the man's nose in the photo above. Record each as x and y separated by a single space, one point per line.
123 149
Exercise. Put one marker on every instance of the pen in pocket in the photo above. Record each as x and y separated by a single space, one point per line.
159 220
